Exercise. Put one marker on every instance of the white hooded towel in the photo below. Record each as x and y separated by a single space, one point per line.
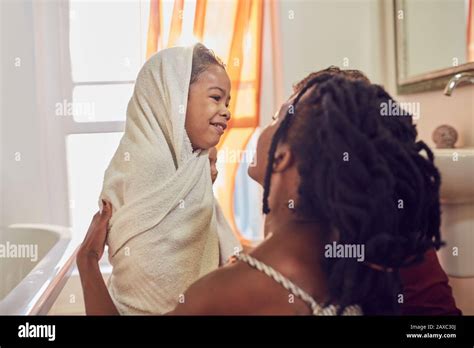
167 229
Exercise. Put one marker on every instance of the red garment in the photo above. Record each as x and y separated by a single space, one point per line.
426 289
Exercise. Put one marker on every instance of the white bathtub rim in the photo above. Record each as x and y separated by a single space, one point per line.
62 231
27 291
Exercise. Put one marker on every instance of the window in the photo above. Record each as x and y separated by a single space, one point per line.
107 48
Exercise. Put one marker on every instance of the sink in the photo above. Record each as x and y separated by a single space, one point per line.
457 174
457 206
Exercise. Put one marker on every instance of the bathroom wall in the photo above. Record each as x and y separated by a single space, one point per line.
319 33
437 109
360 33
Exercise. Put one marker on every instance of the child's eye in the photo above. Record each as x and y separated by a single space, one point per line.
216 97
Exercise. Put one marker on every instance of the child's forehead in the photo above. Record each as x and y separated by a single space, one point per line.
215 75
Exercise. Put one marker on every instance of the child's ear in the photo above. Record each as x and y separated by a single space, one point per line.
283 158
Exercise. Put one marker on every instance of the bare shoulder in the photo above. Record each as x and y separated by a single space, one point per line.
228 290
238 289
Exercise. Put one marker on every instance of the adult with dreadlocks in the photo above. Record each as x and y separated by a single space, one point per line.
333 171
426 289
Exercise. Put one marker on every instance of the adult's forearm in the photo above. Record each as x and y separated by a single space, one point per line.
96 295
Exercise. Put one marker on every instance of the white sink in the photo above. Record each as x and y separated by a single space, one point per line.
457 220
457 174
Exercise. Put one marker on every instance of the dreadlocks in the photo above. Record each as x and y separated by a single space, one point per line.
363 175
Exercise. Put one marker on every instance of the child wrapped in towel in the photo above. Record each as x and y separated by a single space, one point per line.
167 230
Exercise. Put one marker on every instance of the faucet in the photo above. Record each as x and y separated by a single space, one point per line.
456 80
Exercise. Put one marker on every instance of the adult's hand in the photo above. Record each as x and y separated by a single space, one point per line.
92 248
213 161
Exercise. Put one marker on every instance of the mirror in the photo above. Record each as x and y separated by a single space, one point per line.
434 41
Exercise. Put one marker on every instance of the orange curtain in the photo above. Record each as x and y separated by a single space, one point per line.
470 32
232 29
176 23
154 28
199 18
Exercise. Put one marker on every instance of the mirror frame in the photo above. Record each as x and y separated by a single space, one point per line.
429 81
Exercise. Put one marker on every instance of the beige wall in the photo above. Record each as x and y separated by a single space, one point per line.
318 33
437 109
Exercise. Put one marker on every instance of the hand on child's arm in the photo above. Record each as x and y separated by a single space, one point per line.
96 296
213 161
94 243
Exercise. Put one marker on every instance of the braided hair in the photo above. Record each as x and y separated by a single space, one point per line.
363 176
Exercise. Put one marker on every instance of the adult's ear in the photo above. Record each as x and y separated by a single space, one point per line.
284 158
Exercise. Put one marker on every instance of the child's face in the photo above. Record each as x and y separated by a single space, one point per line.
259 165
207 112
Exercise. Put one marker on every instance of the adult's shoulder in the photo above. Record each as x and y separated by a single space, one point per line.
230 290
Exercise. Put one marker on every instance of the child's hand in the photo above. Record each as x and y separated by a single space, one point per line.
213 160
92 248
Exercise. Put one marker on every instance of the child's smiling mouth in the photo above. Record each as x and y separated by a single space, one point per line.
219 126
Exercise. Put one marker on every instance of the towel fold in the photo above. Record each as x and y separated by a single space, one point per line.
167 230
